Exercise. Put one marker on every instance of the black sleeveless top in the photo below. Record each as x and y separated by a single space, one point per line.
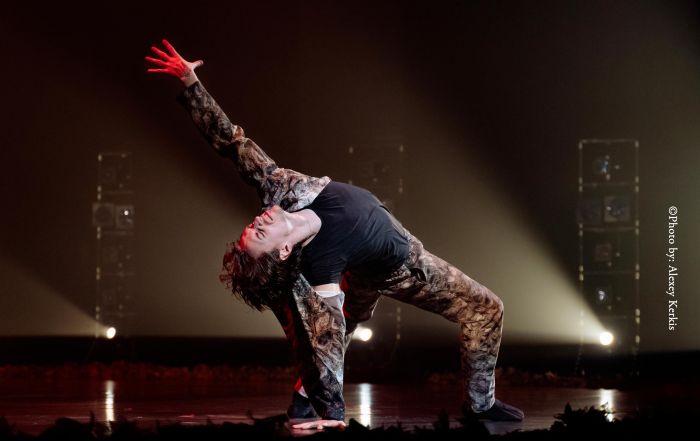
357 233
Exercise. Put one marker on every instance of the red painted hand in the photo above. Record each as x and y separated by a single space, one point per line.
173 64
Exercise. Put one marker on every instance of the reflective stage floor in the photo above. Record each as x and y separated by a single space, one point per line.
34 405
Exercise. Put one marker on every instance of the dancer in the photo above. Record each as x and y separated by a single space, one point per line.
321 253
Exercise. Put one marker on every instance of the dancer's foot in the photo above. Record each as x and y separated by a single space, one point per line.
500 411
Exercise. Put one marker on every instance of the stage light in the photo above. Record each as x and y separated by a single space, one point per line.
364 334
606 338
602 295
124 217
601 166
110 332
617 208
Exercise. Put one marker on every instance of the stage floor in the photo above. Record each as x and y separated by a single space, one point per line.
33 405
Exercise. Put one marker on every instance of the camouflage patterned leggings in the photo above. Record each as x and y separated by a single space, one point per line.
432 284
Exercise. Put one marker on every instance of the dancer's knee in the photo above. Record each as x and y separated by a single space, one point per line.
499 303
482 312
498 307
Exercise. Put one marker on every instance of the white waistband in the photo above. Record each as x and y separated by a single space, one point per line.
329 293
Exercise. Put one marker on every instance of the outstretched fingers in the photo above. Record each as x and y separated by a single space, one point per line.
172 63
156 61
160 53
170 49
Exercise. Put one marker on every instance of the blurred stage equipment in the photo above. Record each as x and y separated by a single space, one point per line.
608 236
113 218
377 164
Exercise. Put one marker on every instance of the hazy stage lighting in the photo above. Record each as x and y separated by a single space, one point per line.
110 332
606 338
362 333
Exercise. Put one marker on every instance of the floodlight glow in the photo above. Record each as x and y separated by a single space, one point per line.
364 334
110 332
606 338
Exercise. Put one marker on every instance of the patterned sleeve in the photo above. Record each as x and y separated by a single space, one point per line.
316 333
275 185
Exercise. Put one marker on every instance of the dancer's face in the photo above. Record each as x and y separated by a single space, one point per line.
270 230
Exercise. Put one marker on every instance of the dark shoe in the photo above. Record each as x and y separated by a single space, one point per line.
500 411
301 410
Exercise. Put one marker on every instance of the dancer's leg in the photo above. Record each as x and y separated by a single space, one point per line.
433 284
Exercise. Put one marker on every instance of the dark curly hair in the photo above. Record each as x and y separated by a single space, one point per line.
262 282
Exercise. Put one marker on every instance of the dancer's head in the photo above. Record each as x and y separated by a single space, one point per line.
271 230
263 264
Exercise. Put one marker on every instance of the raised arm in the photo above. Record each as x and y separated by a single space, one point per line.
275 185
254 165
225 137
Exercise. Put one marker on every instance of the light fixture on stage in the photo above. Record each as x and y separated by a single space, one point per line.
124 217
601 166
603 161
603 253
603 295
111 332
114 173
590 211
606 338
362 333
102 214
617 208
613 249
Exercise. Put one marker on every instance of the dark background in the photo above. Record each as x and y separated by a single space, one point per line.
491 98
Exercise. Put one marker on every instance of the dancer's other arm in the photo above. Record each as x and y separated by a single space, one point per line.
288 188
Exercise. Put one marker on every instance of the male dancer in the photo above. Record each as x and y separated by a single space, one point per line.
320 255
